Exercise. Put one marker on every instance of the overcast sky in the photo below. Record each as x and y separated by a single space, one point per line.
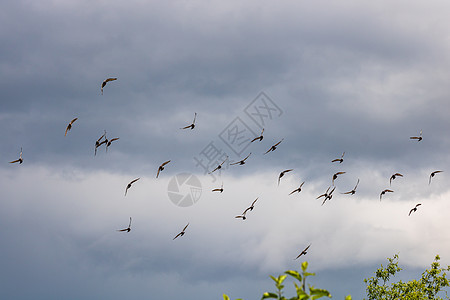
325 78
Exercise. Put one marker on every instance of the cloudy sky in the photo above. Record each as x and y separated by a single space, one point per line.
327 78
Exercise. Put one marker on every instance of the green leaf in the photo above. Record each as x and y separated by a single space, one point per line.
267 295
294 274
318 293
304 266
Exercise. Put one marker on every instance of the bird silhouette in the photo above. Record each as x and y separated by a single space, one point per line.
106 81
304 252
274 147
340 160
250 208
328 196
98 142
182 231
414 209
335 176
352 192
260 137
129 185
20 160
418 138
69 126
298 190
282 174
432 175
241 162
161 167
394 176
108 143
192 125
126 229
384 192
219 189
219 166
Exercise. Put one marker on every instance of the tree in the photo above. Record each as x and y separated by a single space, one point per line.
300 287
430 286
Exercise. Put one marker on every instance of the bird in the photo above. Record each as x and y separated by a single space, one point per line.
340 160
108 143
241 162
241 216
219 189
298 190
98 143
260 138
106 81
394 176
432 175
335 176
219 166
328 196
303 252
418 138
282 174
352 192
384 192
192 125
250 208
126 229
324 194
414 209
20 160
69 126
182 231
129 185
274 147
161 167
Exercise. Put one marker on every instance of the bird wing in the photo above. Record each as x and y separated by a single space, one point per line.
185 227
129 225
356 184
14 161
114 139
133 181
71 122
195 116
177 235
165 163
278 143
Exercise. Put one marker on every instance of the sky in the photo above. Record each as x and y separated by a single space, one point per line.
324 78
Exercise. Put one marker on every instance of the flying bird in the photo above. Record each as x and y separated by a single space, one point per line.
241 162
20 160
414 209
182 231
129 185
418 138
282 174
126 229
106 81
274 147
98 142
219 166
304 252
324 194
340 160
161 167
250 208
192 125
260 138
328 196
432 175
394 176
352 192
219 189
241 216
335 176
298 190
384 192
108 143
69 126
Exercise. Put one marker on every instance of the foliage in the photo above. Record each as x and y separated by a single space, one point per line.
300 286
428 286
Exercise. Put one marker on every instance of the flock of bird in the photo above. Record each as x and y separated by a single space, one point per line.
327 195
